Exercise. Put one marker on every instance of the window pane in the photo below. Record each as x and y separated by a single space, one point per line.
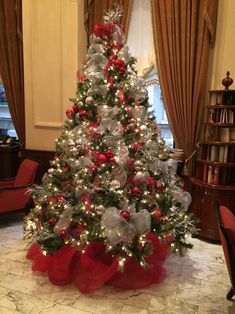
6 125
156 101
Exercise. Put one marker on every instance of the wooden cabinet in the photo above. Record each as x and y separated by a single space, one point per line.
214 179
9 161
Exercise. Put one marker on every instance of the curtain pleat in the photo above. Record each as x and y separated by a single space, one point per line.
183 30
11 62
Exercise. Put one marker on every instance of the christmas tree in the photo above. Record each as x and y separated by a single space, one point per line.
112 188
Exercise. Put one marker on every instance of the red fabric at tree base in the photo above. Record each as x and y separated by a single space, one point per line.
95 267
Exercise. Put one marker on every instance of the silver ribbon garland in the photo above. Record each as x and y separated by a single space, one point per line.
117 229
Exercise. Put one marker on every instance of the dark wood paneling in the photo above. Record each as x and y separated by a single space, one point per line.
203 206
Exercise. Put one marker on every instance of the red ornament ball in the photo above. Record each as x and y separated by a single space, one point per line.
125 214
118 63
69 113
150 181
60 198
169 238
157 215
109 153
83 114
101 159
93 167
136 145
112 160
52 221
122 70
76 108
113 56
159 186
63 233
66 169
135 191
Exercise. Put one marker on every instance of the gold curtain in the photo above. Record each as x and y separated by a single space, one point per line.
183 30
95 9
11 62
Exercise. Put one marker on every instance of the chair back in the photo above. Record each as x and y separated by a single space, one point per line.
227 235
27 172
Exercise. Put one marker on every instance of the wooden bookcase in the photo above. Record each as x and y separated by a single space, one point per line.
214 179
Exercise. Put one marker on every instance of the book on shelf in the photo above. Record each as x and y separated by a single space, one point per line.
211 116
225 153
222 116
230 116
218 115
221 153
210 178
224 134
232 134
213 99
214 156
216 176
210 133
208 152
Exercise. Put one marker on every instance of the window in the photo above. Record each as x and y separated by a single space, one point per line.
140 42
6 125
156 101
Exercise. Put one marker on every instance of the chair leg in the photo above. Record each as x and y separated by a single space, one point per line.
230 294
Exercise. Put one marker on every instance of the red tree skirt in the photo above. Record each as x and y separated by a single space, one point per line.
95 267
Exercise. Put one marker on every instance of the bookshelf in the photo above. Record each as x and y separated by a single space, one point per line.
214 178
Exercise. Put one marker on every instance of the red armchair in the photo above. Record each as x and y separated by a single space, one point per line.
14 193
227 235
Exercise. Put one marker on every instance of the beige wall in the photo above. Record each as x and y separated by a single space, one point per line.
224 49
54 47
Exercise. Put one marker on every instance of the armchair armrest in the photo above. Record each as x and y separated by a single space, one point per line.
7 182
18 187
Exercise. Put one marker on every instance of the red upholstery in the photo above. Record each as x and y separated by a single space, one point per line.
26 173
14 193
227 236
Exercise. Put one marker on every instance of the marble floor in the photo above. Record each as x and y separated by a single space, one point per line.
195 283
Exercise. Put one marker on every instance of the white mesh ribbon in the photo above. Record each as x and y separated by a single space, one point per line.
65 219
182 197
95 48
119 174
98 89
117 229
110 126
108 112
95 67
124 54
140 113
121 153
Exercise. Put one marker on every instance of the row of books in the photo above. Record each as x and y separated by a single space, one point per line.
221 116
217 153
218 176
224 98
211 175
223 134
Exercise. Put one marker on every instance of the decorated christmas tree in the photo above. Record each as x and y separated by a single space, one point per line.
111 205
